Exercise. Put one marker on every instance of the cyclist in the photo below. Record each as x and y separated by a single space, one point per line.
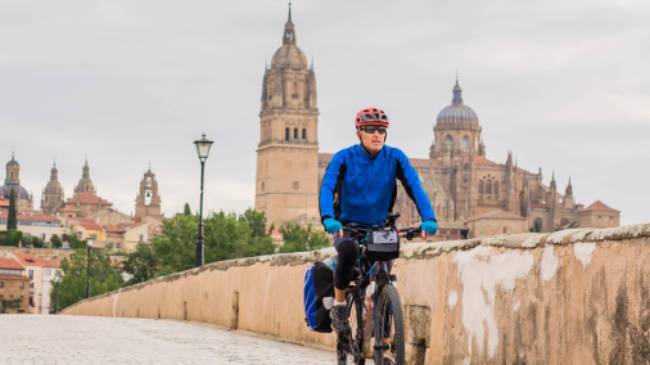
359 187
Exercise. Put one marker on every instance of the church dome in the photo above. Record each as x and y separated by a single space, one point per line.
21 193
12 162
289 54
457 115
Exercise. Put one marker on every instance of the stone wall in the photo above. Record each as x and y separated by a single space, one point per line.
571 297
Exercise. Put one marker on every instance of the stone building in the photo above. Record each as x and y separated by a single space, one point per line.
471 194
147 202
14 286
85 201
52 199
12 184
286 188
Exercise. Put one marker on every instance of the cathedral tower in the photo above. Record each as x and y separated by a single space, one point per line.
52 199
147 203
85 184
286 187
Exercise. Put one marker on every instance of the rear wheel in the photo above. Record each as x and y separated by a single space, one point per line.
388 328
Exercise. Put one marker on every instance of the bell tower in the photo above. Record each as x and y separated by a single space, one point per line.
147 203
286 186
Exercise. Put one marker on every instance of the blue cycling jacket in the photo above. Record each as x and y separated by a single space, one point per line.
365 186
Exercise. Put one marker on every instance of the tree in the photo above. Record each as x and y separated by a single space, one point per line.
187 210
143 264
74 241
56 241
72 287
298 239
227 236
12 221
11 238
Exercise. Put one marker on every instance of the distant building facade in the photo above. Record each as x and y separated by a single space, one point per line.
53 198
12 184
147 202
471 194
14 286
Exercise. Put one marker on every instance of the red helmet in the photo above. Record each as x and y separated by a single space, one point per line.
371 116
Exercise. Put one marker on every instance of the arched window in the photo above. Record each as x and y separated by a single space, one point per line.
465 143
449 142
304 135
295 135
481 188
287 135
488 187
496 189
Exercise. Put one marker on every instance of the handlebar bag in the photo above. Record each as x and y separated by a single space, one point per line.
383 244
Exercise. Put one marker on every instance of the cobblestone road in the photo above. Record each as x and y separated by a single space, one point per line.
34 339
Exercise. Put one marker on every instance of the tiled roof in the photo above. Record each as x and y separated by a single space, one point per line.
29 260
38 217
88 224
4 202
600 207
87 198
10 264
482 160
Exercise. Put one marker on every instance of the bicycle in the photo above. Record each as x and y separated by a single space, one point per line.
374 265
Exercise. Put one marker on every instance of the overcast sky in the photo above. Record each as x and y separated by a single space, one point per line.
563 84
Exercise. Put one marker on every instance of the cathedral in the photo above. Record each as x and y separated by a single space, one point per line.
471 194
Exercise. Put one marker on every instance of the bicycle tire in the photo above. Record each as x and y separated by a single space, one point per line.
357 319
388 313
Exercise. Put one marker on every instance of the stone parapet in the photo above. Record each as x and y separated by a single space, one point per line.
579 296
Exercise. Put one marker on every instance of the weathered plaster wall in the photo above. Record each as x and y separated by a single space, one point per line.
571 297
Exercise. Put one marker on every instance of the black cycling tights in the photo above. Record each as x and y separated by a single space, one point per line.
347 250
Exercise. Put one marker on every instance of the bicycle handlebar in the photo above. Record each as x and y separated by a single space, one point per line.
406 232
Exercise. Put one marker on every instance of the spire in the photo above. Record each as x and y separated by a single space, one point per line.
569 189
553 184
289 36
509 160
86 170
54 173
458 97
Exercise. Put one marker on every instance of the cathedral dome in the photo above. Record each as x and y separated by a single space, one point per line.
457 115
289 54
21 193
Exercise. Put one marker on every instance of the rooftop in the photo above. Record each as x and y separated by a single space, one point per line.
10 264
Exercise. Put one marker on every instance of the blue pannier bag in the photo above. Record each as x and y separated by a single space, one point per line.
319 295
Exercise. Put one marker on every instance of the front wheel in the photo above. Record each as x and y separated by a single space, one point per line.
388 328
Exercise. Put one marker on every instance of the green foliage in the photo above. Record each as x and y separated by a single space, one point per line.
56 241
227 236
32 241
298 239
72 287
10 238
187 210
75 242
12 221
143 264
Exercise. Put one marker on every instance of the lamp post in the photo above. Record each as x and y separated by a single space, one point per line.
202 149
89 246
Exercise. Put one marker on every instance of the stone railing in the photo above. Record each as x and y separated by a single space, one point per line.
577 296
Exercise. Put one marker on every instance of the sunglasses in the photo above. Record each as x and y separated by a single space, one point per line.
370 129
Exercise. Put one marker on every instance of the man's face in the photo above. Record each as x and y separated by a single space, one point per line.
372 138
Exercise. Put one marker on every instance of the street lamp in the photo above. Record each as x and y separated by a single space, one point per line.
89 246
202 149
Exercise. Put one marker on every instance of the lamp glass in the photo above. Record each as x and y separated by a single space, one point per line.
203 148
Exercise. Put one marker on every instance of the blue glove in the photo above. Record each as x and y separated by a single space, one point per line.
430 227
332 225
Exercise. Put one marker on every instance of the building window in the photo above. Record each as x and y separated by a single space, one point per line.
2 284
488 187
449 142
465 143
31 274
287 135
295 185
295 135
538 225
263 185
304 135
496 189
141 238
481 188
